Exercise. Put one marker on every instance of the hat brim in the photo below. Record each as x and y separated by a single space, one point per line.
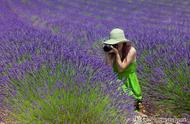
113 41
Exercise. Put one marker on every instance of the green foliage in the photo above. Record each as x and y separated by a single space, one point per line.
55 29
169 92
24 58
176 91
39 100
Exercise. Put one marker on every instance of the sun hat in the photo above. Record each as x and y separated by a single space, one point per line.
116 36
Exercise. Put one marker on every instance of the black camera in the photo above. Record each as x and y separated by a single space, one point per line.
107 47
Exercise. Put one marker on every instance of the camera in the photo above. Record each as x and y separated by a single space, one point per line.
107 47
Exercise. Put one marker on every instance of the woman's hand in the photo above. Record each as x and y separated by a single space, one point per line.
115 50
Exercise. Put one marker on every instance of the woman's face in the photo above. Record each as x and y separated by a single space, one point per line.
120 45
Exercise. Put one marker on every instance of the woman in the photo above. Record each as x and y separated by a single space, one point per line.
122 57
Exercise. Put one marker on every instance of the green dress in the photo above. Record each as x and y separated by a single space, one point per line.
131 83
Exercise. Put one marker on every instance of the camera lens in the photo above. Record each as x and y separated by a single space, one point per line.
107 48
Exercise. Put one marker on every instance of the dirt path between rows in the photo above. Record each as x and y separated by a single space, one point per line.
141 118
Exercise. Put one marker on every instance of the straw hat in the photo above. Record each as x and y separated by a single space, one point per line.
116 36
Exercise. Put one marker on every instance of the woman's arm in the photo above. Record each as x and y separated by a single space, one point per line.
129 58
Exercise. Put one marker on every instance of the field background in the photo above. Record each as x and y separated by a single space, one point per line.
52 67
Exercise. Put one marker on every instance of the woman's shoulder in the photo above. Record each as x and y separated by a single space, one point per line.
133 52
132 49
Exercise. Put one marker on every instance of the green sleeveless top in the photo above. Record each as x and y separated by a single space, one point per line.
130 69
130 79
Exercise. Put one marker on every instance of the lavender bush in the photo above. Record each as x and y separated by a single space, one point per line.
61 96
21 81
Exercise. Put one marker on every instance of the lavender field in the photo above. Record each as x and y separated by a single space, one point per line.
52 66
